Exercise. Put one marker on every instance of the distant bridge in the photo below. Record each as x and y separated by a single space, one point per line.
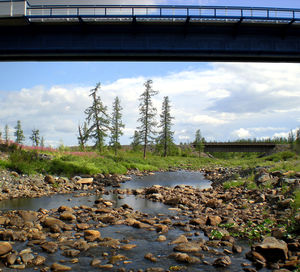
156 33
239 147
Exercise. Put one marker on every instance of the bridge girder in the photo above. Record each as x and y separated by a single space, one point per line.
148 41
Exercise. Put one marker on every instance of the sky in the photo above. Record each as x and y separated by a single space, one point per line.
226 101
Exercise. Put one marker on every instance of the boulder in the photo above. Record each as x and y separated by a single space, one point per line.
60 267
222 261
272 249
49 179
50 247
213 220
91 235
69 216
5 247
185 258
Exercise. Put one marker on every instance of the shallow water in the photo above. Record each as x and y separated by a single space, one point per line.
144 239
170 179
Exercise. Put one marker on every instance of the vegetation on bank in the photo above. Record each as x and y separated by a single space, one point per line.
65 162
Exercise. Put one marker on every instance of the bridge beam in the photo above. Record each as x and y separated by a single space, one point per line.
148 41
230 147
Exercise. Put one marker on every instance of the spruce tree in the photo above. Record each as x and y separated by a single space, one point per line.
35 137
147 115
199 142
97 119
83 135
19 134
42 144
136 141
6 134
166 135
116 125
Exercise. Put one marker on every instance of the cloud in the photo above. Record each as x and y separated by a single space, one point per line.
224 100
242 133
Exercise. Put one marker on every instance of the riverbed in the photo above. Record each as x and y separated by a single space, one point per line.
145 240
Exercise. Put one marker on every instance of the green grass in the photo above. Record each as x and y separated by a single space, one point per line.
233 183
28 162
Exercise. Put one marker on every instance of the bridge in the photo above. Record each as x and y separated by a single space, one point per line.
239 147
147 33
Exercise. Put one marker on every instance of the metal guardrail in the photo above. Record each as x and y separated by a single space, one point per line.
151 12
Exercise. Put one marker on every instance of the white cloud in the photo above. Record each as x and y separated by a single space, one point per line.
242 133
224 100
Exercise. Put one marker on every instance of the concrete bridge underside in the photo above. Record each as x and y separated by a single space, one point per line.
21 39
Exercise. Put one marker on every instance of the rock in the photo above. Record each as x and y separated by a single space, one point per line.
51 221
213 220
67 216
155 269
18 266
71 253
82 226
49 179
161 238
185 258
60 267
272 249
222 261
5 247
95 262
256 258
128 247
150 257
50 247
85 181
39 260
173 201
187 247
179 240
11 258
117 258
27 258
91 235
237 249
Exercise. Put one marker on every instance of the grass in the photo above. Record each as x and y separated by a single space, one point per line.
233 183
73 163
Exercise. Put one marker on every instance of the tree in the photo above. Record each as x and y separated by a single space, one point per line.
199 142
35 137
166 135
6 133
19 134
147 115
291 139
116 125
0 134
136 141
97 119
298 140
83 137
42 144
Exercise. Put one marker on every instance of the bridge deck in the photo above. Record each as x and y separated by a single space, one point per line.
147 33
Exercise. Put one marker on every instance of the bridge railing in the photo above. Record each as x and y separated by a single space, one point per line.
152 12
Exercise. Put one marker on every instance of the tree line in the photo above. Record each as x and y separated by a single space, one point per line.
35 137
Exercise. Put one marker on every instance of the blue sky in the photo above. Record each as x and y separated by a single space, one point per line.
224 100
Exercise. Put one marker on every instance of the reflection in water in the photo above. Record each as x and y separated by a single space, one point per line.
169 179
